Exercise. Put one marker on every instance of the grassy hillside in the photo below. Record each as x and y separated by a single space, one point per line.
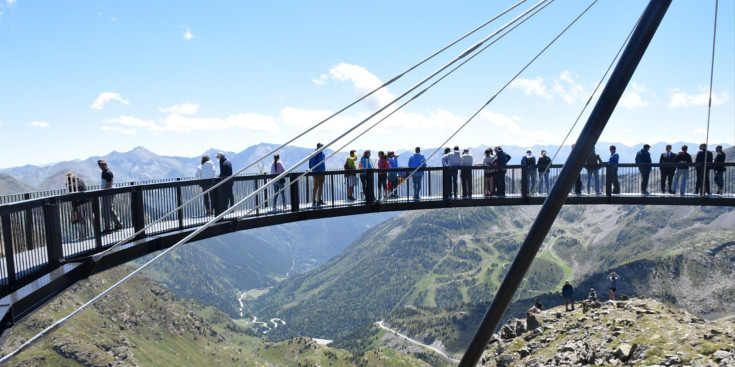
433 273
143 324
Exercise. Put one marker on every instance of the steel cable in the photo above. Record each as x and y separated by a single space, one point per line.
62 321
227 179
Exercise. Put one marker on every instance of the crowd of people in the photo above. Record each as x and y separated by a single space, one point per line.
674 172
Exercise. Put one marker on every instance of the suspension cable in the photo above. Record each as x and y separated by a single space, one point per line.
196 232
506 85
227 179
709 107
589 100
403 105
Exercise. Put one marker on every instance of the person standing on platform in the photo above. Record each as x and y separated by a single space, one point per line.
79 207
489 164
109 216
704 158
317 166
278 187
643 160
502 158
393 175
529 161
594 163
613 184
544 165
417 160
382 175
367 187
351 164
682 162
466 175
206 171
225 195
667 170
719 169
454 160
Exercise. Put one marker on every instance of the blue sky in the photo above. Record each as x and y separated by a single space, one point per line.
84 78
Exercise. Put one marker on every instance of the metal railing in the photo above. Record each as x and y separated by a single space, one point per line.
37 235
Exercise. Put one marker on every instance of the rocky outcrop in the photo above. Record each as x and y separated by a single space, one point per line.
638 332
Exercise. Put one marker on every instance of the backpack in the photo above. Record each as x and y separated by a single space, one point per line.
347 167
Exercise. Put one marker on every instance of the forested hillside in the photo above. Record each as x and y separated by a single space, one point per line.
433 273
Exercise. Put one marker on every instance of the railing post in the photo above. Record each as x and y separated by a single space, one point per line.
9 253
28 224
179 202
96 226
52 226
137 209
446 183
524 183
257 197
331 183
370 189
294 188
608 181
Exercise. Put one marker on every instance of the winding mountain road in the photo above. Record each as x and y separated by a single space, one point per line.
437 350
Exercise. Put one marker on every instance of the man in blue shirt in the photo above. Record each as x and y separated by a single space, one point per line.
613 184
317 166
643 160
417 161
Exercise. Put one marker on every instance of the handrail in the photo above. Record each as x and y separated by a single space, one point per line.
38 235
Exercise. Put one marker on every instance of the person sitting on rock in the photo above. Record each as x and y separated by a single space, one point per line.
568 292
593 295
538 304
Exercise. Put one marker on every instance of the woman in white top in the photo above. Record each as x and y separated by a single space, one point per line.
206 170
278 187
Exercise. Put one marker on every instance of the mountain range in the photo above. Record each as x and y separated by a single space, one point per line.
141 164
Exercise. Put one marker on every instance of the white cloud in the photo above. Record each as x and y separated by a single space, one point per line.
567 88
105 97
187 35
11 2
564 87
321 80
632 100
505 123
532 87
363 81
40 124
682 99
182 109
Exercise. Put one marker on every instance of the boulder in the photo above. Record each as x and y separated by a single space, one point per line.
507 332
532 322
504 361
720 355
623 351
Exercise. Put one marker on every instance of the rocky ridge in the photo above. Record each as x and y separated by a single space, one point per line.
636 332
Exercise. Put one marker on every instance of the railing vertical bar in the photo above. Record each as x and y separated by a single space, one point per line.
9 251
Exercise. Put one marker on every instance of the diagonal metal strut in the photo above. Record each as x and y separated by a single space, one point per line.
642 35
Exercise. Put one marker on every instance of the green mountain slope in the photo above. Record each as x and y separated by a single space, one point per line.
142 324
447 264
